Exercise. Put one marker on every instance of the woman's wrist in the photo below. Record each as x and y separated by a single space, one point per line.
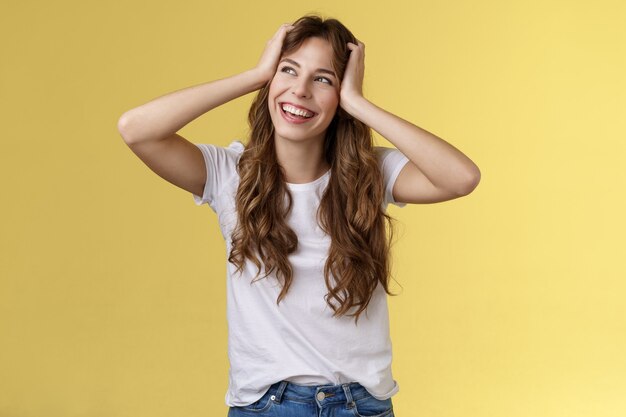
259 76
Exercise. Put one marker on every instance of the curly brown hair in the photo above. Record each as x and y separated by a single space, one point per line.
350 210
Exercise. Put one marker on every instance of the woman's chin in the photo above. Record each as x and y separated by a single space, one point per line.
291 136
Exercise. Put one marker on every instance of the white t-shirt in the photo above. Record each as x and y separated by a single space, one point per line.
298 340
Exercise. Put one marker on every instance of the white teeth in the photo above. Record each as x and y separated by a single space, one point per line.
297 111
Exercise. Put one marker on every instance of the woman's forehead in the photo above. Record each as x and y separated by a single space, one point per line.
312 49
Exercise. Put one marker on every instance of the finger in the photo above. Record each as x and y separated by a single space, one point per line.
284 27
356 50
360 45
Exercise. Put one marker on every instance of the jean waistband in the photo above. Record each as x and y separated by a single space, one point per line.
321 394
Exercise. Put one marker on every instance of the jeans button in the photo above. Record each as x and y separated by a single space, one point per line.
321 396
273 397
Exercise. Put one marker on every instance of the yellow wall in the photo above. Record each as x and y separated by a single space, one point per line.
112 282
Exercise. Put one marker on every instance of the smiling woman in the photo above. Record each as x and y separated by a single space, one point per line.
307 93
302 208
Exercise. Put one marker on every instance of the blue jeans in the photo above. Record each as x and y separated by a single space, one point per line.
286 399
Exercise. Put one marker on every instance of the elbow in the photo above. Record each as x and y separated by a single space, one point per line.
470 184
124 128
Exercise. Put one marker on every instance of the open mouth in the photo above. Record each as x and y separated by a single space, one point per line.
295 114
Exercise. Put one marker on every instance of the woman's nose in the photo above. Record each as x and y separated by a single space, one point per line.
301 88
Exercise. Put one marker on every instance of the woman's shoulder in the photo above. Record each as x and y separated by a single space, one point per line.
382 151
384 154
232 151
236 146
221 171
391 161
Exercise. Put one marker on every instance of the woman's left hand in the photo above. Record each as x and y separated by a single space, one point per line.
352 83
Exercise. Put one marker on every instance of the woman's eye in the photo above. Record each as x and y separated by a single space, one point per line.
287 69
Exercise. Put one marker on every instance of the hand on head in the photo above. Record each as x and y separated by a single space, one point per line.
269 59
352 83
351 87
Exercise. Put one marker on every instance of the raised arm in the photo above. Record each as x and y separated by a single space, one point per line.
436 171
150 129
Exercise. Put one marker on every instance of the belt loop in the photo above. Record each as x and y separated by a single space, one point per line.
349 400
281 389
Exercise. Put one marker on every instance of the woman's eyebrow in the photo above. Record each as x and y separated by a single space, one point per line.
324 70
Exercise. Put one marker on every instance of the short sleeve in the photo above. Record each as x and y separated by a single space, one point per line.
221 165
392 161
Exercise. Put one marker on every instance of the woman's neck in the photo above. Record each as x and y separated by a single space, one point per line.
302 162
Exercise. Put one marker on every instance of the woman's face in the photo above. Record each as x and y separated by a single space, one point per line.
304 83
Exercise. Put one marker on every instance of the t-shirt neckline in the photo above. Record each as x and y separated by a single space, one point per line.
308 185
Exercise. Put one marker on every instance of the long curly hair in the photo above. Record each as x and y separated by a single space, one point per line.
350 210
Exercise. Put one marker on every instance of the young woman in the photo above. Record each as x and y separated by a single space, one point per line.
302 208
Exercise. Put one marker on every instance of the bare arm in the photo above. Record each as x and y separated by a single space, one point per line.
165 115
150 129
436 171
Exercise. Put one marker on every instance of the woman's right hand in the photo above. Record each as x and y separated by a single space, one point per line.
269 59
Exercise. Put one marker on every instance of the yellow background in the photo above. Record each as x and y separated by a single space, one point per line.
112 291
